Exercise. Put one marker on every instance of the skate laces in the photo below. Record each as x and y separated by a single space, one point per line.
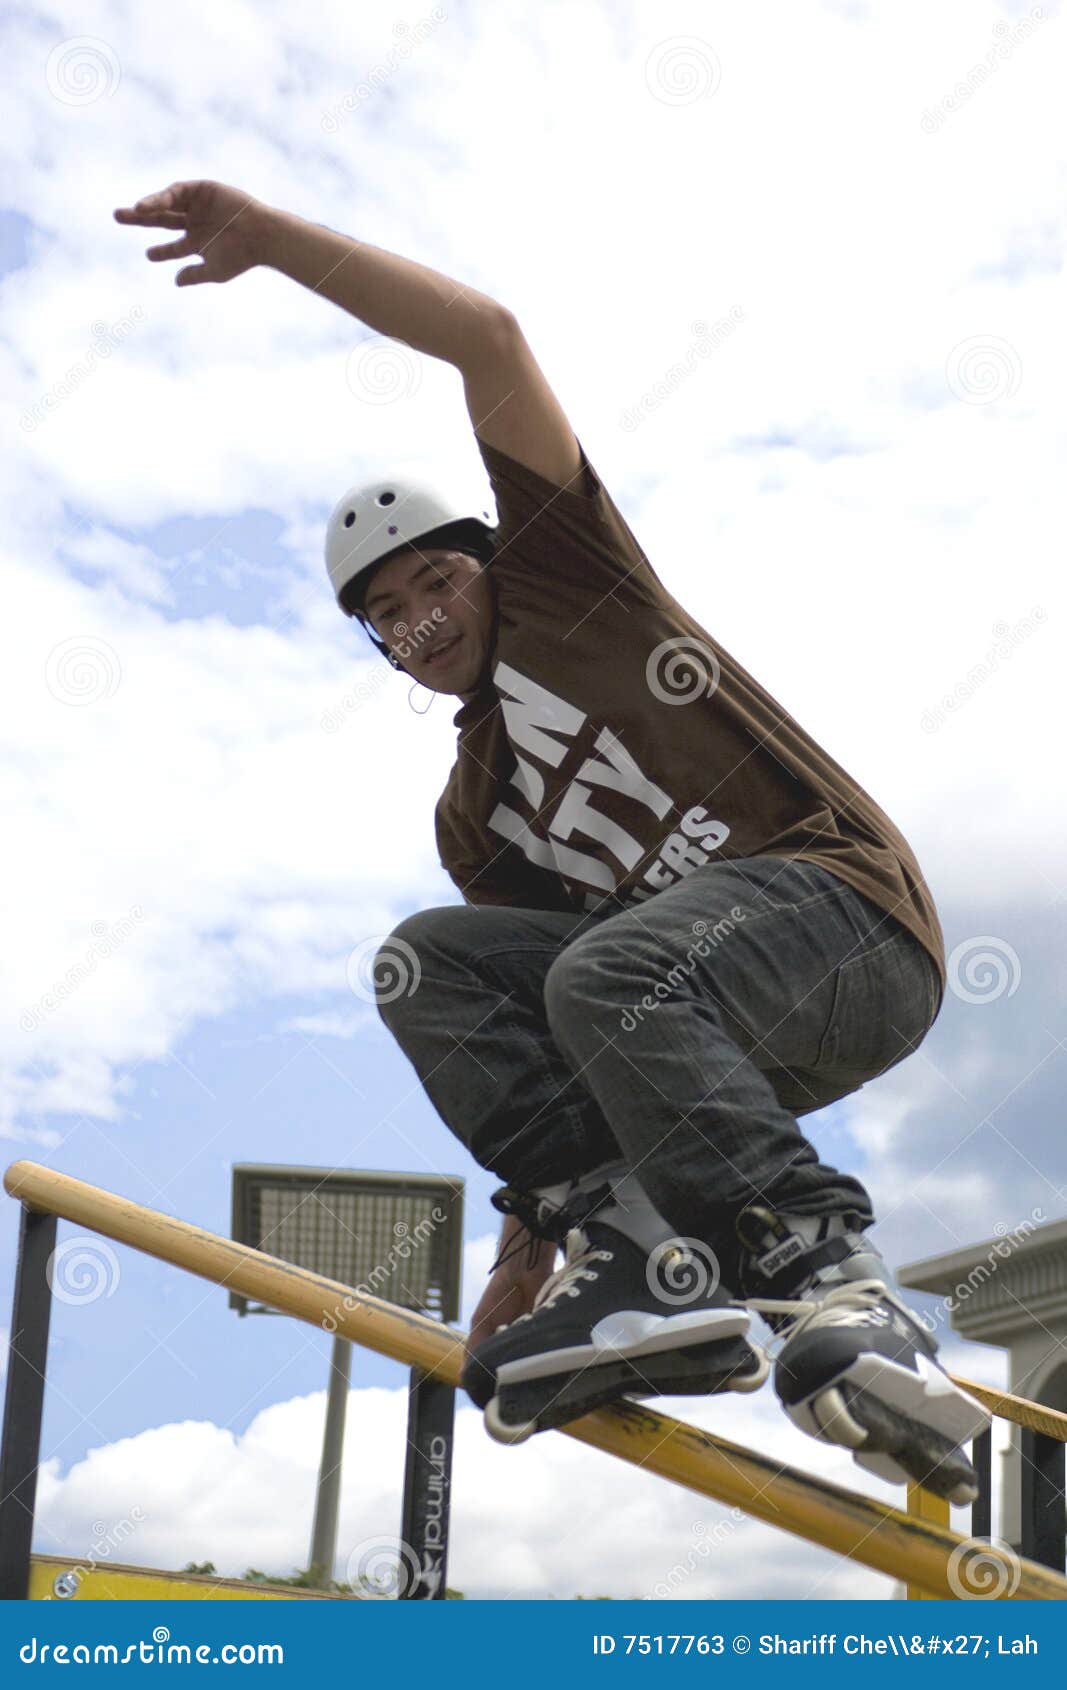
531 1244
546 1217
855 1302
579 1256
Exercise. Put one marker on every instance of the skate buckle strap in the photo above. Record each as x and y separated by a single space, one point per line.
793 1262
782 1256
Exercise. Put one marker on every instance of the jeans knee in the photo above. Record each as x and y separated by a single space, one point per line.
399 960
568 990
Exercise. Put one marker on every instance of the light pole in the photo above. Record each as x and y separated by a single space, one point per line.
397 1236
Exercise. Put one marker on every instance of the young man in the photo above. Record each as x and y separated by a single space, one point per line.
685 925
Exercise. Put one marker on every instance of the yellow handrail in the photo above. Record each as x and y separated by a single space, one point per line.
926 1555
1019 1410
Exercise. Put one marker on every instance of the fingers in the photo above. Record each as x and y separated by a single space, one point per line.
162 210
172 249
192 274
150 219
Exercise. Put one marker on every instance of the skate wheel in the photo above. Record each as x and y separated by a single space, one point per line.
835 1423
754 1381
506 1431
963 1494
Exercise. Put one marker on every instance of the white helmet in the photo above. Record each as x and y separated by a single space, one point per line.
374 520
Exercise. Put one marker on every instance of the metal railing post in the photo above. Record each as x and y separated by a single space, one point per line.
427 1488
1042 1511
927 1554
982 1506
27 1359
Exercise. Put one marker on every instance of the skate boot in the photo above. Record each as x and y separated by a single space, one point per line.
633 1311
856 1367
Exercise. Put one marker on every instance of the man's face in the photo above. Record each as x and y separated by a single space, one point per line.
434 610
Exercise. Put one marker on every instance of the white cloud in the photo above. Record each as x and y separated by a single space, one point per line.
204 788
551 1517
862 251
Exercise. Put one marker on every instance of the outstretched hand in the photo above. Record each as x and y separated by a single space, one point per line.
221 224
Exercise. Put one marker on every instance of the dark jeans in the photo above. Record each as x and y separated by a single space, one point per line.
682 1036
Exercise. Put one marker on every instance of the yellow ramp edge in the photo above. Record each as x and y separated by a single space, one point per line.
925 1554
52 1577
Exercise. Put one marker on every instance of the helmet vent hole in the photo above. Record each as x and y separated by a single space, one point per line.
350 517
386 498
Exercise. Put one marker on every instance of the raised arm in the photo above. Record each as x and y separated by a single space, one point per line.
510 403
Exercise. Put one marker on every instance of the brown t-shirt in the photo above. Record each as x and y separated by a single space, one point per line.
614 745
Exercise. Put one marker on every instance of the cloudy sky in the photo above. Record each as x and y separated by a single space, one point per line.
795 273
